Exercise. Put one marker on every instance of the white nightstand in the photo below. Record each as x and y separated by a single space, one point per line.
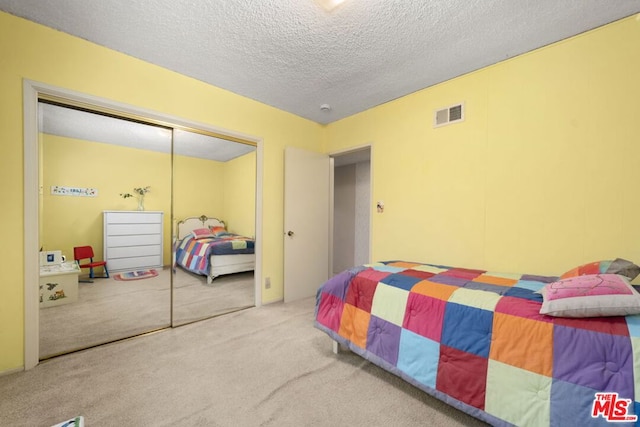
58 284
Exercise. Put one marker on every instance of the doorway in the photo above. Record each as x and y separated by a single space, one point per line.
33 93
351 209
310 215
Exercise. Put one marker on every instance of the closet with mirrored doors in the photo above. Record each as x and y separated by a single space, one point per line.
170 209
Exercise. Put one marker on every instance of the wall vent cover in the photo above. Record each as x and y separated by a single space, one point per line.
445 116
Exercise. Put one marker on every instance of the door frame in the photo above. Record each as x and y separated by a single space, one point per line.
333 155
32 91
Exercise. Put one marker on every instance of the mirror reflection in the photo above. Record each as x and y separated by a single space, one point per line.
88 163
121 206
214 226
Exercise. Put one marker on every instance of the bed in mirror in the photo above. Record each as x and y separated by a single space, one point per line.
214 188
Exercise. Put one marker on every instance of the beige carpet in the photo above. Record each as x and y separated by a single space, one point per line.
194 299
265 366
108 309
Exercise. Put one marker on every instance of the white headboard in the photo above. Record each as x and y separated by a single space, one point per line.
187 225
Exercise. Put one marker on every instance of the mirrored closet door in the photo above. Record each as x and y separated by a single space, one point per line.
136 195
214 193
105 185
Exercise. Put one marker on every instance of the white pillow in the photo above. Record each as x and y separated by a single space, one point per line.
592 295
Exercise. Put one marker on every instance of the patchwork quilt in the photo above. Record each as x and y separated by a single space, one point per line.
194 254
475 339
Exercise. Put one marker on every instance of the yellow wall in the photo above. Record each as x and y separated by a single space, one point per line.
69 221
240 194
198 186
222 190
31 51
541 176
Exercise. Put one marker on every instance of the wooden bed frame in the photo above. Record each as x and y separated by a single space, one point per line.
218 264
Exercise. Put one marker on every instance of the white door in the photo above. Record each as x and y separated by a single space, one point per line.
306 222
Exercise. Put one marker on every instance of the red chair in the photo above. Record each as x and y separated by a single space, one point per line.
86 252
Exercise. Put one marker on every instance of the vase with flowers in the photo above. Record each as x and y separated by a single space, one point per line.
138 193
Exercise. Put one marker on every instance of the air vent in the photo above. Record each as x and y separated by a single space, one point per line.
449 115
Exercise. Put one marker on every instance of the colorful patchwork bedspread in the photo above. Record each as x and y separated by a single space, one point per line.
193 254
475 339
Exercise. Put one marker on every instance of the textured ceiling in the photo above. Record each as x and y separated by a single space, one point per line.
295 56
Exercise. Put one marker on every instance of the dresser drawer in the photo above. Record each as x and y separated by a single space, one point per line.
137 263
134 217
133 240
128 240
134 251
132 229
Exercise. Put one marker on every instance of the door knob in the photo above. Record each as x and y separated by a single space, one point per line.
290 233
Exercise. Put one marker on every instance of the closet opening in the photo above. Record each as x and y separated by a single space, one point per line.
351 217
120 179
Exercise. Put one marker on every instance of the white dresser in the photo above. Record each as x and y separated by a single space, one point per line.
133 240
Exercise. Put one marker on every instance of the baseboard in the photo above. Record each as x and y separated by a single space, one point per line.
11 371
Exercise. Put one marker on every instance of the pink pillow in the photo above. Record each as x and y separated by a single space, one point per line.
592 295
202 233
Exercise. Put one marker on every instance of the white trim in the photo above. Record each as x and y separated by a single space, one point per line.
31 229
332 170
351 150
371 175
32 90
371 202
258 243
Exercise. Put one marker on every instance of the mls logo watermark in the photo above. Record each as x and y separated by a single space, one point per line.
612 408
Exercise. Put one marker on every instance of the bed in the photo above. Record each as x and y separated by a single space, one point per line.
204 246
477 340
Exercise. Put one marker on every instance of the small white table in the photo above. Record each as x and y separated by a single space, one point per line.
58 284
